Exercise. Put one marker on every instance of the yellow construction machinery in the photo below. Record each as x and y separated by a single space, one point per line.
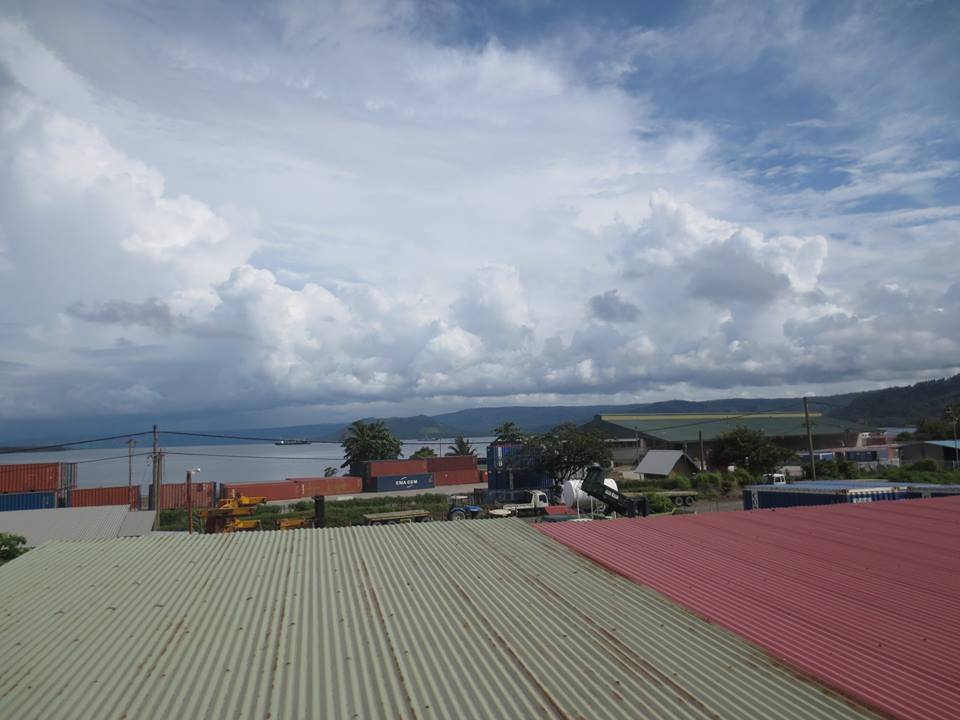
232 515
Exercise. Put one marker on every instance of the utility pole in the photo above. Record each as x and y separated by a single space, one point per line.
190 500
155 481
954 418
131 443
703 456
813 464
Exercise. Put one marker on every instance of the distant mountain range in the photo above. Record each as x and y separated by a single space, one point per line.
890 407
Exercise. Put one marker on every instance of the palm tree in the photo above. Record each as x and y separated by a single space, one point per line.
369 441
461 446
508 433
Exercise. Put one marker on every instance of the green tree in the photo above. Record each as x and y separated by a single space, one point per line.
509 433
564 452
424 452
329 471
748 449
370 441
461 446
932 428
11 546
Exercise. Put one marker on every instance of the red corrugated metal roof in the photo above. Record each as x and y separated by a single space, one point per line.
865 597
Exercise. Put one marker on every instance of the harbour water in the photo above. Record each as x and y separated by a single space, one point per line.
218 463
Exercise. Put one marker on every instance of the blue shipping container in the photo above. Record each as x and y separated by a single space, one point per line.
27 501
389 483
806 494
505 470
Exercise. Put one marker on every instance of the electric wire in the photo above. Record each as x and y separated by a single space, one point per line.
34 448
251 457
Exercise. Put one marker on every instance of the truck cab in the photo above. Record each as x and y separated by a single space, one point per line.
535 503
776 478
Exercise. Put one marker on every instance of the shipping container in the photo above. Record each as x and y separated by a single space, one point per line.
451 463
277 490
28 501
929 490
388 483
824 492
309 487
116 495
376 468
456 477
38 477
506 470
174 495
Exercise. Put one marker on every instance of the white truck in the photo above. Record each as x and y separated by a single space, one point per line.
535 503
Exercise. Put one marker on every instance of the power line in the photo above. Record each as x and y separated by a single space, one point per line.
104 459
34 448
221 437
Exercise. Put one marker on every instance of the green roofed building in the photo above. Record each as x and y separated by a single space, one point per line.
631 435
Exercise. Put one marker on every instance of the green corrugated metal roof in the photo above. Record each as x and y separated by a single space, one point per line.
685 427
476 619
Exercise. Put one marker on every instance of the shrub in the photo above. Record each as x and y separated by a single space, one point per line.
660 503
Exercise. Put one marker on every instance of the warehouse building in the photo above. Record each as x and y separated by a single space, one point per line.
478 619
863 596
946 453
630 436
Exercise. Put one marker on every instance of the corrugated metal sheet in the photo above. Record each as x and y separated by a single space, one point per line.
137 523
659 462
865 597
479 619
83 523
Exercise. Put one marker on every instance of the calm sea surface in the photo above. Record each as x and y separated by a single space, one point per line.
217 463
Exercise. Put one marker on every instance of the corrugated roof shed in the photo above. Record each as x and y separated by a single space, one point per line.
865 597
82 523
661 462
479 619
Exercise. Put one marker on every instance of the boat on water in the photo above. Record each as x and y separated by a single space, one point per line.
293 442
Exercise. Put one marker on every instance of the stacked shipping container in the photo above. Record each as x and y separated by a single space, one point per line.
38 477
116 495
454 470
505 471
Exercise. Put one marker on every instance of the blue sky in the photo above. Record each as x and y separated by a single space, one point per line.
297 211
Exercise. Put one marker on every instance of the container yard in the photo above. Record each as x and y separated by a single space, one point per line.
118 495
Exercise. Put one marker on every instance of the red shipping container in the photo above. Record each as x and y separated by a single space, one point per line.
451 462
308 487
376 468
116 495
174 495
456 477
279 490
37 477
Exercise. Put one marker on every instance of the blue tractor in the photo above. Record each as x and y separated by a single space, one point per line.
460 510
